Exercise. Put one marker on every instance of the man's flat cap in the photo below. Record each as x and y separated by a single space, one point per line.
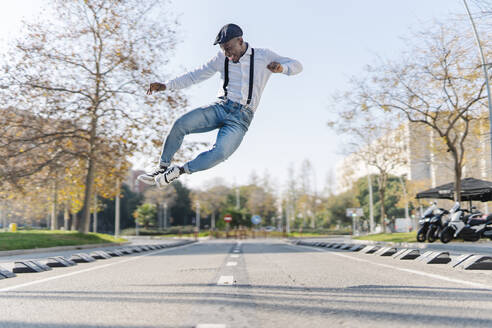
228 32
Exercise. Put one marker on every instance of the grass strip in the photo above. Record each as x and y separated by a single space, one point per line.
398 237
51 238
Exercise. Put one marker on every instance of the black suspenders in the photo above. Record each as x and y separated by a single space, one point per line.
251 75
226 76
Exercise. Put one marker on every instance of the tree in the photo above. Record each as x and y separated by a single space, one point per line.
393 200
181 211
259 201
437 84
129 203
159 197
145 215
377 142
337 205
211 200
90 68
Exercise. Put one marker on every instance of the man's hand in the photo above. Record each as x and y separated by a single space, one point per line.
275 67
156 86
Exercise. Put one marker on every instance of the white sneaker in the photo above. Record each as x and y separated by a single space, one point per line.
149 177
172 173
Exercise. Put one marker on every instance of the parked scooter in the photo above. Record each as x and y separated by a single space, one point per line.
436 225
424 222
470 227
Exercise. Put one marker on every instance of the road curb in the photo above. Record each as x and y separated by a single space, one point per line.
451 247
58 248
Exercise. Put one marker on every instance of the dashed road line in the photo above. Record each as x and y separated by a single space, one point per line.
231 263
226 280
234 255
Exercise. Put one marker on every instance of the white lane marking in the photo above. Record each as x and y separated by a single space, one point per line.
210 325
231 263
139 256
421 273
225 280
235 255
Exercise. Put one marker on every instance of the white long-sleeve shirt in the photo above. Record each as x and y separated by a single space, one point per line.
238 86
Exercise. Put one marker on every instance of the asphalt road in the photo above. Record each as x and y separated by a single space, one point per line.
254 283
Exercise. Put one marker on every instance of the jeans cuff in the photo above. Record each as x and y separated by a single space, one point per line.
186 168
164 164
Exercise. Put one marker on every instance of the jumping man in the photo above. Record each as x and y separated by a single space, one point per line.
245 72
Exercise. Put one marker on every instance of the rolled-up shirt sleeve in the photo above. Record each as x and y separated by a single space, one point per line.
289 66
195 76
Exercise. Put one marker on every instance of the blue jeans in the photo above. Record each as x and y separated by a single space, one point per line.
231 118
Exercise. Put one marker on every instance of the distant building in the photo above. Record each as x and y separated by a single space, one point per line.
422 156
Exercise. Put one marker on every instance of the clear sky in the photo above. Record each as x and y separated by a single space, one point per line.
332 39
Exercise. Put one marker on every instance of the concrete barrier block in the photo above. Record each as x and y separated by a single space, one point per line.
347 247
477 262
400 252
409 254
82 258
114 252
424 255
26 267
386 251
4 273
438 258
100 255
370 249
59 262
459 259
357 247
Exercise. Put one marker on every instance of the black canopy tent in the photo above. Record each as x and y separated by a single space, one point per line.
471 189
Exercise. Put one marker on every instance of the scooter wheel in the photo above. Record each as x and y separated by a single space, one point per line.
447 235
431 235
421 235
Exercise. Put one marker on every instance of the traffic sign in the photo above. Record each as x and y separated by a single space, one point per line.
227 218
256 219
357 211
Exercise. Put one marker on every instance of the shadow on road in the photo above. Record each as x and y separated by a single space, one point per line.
257 247
366 302
23 324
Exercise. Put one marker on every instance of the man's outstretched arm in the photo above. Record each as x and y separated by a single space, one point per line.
193 77
285 65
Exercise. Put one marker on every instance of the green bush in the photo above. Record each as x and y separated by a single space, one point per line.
157 232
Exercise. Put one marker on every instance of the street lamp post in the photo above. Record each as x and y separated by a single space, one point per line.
238 205
404 188
287 218
371 207
94 223
165 215
198 216
117 209
484 65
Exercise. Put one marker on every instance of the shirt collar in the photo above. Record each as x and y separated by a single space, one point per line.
247 53
248 50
